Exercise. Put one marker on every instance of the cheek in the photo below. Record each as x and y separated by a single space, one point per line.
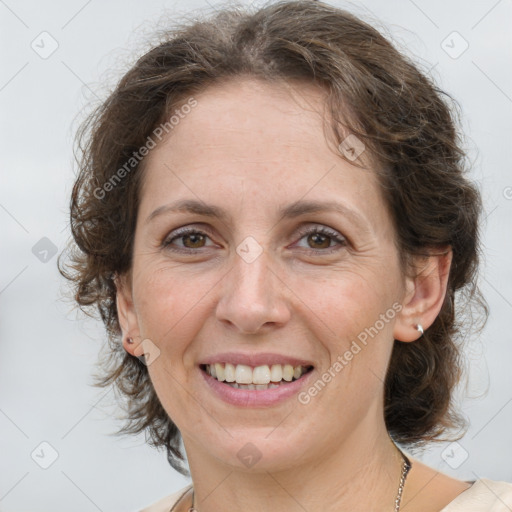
347 300
168 305
352 316
171 309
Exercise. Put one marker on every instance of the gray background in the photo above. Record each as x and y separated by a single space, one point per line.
48 351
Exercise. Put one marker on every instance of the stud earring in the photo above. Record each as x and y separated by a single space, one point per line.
129 340
420 329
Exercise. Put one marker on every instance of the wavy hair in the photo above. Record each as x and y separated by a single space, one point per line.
374 92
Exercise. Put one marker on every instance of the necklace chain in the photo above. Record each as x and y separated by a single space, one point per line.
405 469
406 466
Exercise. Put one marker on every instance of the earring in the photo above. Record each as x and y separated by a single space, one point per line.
129 340
420 329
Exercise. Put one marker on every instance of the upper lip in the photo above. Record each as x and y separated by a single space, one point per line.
254 360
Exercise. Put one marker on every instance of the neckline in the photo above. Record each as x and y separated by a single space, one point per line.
461 496
177 505
187 493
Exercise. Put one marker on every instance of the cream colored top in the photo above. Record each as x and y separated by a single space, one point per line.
483 496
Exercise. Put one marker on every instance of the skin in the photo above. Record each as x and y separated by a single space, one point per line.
252 147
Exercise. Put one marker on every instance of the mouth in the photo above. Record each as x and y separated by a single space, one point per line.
257 378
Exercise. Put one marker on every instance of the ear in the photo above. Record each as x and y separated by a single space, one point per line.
127 315
424 294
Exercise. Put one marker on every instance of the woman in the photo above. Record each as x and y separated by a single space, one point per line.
273 217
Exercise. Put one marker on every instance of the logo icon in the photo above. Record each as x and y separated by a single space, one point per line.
351 147
249 455
249 249
454 45
44 45
44 455
44 250
151 352
454 455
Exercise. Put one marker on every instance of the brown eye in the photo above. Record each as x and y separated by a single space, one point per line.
193 241
319 241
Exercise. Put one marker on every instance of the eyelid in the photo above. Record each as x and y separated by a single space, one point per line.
301 232
323 230
185 230
313 227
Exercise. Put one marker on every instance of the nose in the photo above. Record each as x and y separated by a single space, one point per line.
253 296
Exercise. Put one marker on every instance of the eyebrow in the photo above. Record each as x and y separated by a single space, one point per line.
290 211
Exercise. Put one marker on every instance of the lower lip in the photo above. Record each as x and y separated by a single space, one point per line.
256 397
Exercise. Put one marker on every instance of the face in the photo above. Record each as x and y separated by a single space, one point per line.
323 285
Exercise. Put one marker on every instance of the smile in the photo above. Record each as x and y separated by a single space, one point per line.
260 386
243 376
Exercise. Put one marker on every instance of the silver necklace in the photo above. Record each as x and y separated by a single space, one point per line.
406 466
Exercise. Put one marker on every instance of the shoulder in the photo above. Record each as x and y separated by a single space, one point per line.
165 504
484 495
430 490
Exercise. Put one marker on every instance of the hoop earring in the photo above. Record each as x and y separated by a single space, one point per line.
420 329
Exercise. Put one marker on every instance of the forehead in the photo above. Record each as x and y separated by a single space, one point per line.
246 117
267 140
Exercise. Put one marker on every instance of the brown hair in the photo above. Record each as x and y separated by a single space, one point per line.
396 110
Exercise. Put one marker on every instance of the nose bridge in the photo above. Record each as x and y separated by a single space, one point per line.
251 295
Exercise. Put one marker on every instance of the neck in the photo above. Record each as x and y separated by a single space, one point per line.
358 475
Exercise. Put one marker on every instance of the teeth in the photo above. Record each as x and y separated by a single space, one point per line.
276 373
243 374
218 369
254 378
254 386
229 373
261 375
288 372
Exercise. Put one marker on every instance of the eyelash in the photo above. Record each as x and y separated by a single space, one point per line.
303 232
